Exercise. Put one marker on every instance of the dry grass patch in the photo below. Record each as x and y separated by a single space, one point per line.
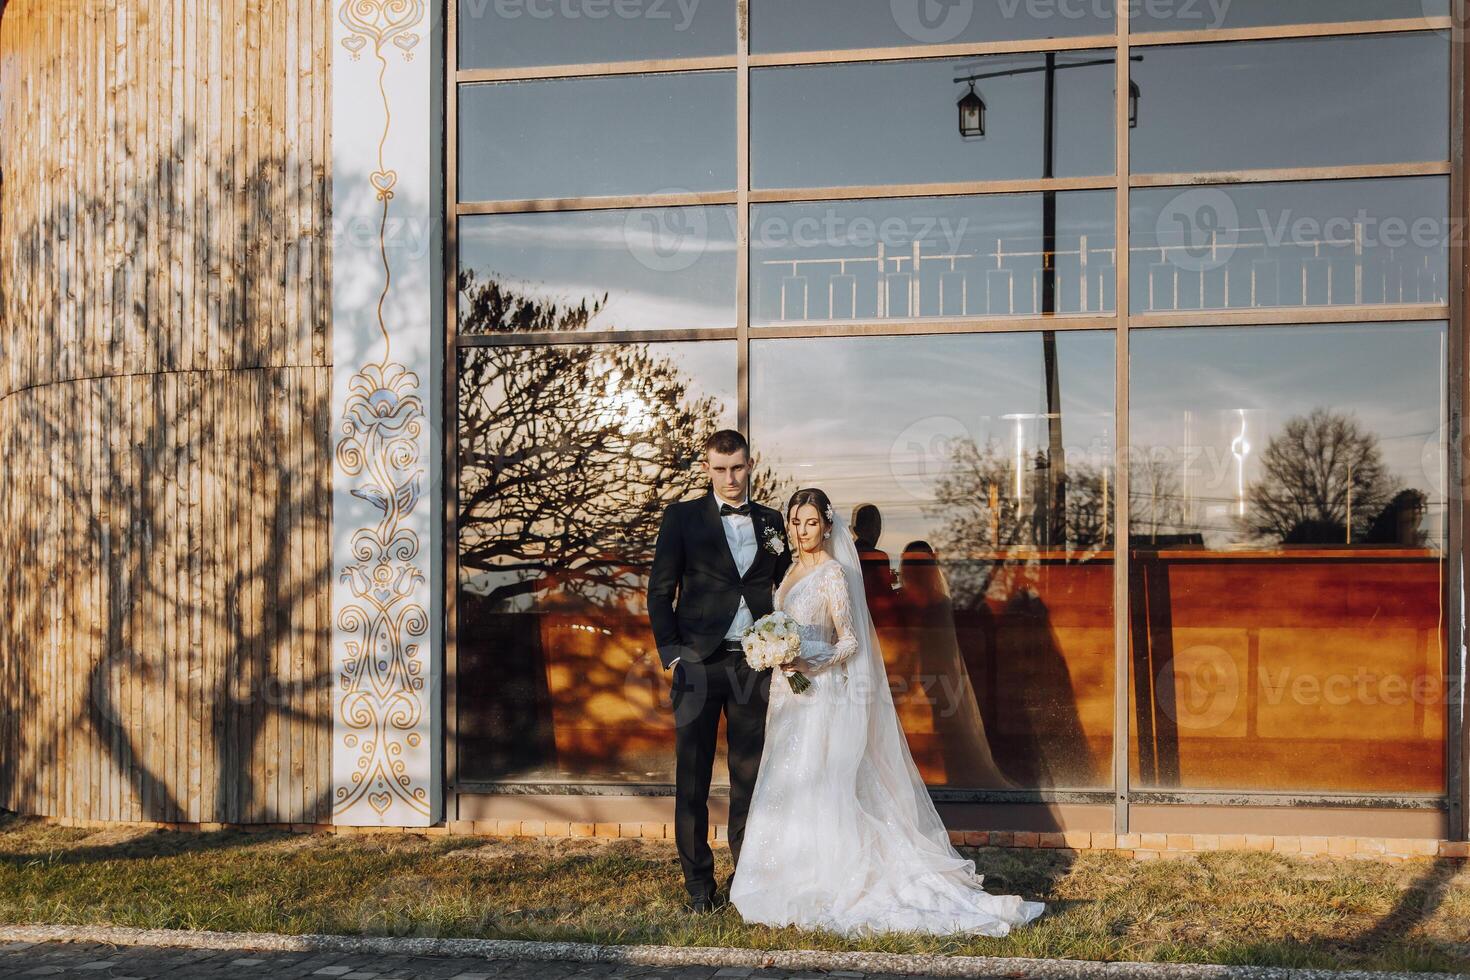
1223 907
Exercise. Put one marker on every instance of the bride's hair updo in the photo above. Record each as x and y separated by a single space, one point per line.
815 497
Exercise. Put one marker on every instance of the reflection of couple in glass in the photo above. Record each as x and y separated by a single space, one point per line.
914 616
827 807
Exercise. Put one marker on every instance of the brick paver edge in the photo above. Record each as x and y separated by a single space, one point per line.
677 956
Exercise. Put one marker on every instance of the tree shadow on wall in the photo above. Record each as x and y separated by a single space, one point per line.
173 501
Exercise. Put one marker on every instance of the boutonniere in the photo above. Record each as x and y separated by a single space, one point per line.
773 542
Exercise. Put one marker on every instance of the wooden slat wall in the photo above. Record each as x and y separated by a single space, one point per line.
164 407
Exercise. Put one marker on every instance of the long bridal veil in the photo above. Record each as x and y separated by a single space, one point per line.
887 755
918 881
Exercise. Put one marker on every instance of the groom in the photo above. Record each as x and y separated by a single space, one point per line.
717 561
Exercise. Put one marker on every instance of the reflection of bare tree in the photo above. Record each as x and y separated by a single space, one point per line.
1001 586
1089 523
1155 496
1323 476
978 511
569 453
975 502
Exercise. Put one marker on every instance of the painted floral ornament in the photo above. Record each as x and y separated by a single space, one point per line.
381 22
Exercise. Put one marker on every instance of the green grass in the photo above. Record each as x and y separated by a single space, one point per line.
1222 907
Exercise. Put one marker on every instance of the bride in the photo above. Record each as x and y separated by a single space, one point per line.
841 833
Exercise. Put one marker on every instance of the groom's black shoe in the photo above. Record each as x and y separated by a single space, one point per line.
699 903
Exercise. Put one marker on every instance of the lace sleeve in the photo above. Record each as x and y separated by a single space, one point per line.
833 588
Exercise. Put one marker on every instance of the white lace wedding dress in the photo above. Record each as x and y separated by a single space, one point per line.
842 834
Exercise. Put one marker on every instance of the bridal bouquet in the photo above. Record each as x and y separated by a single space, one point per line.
772 641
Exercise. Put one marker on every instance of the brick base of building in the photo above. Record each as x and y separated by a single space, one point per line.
1142 847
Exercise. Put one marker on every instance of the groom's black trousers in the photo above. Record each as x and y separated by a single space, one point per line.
700 691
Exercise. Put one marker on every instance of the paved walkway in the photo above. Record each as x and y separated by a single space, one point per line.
106 962
118 952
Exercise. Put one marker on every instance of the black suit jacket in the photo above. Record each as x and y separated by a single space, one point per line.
694 588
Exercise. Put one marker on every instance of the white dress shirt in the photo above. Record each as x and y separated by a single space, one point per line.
740 537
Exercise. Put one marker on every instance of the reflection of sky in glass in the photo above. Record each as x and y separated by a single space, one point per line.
873 420
1291 244
978 256
709 367
808 25
664 268
500 34
896 122
1293 103
632 134
1192 15
1189 388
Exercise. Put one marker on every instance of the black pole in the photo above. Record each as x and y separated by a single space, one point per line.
1049 197
1051 528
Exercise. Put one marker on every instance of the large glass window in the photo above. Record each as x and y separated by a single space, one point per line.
810 25
977 474
1312 102
1317 243
911 298
1287 507
567 455
893 122
1196 15
522 33
911 258
638 269
573 137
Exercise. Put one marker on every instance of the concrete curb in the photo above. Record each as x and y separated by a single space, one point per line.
1013 968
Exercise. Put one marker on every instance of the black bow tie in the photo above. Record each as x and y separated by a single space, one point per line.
743 510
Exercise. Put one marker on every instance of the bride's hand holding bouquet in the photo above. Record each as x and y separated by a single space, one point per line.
775 641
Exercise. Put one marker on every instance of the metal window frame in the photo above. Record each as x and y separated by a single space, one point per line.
947 794
1456 800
